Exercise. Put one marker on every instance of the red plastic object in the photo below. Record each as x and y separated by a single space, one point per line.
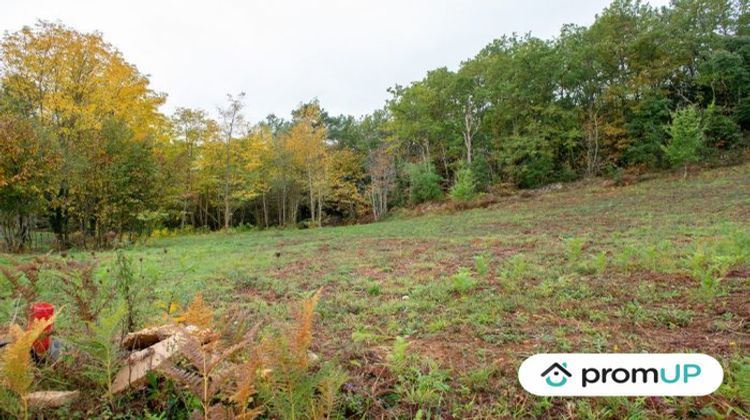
42 310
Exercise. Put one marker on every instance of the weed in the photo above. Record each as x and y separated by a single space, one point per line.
24 277
292 389
574 249
398 358
481 264
87 294
132 289
515 269
462 281
600 263
374 289
478 380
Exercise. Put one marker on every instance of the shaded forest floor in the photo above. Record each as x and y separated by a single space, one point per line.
591 269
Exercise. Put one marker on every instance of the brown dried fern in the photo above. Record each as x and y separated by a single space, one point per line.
198 313
207 371
302 330
23 277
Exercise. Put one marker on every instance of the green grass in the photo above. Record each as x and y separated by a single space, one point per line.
660 266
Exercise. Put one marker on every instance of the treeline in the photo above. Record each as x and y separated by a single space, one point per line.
86 153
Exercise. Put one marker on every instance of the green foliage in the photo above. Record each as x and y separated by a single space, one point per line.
647 125
515 269
482 264
686 138
465 187
527 161
133 289
101 345
424 183
398 357
574 249
600 263
420 381
481 170
711 262
462 281
721 131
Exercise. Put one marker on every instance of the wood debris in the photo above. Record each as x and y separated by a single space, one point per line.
166 341
51 399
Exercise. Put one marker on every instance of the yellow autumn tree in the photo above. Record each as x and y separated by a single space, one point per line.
307 144
73 84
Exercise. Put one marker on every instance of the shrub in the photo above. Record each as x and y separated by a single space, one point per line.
721 131
686 140
481 171
527 161
424 183
465 187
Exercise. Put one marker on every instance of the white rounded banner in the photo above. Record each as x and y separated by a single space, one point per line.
620 374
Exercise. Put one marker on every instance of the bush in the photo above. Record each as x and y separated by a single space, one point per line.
465 187
527 161
686 140
424 183
481 171
720 130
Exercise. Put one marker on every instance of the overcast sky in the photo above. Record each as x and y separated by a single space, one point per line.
281 52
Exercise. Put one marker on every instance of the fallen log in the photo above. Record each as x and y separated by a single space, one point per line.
51 399
141 362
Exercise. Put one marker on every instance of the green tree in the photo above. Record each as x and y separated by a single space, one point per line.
686 138
424 183
465 187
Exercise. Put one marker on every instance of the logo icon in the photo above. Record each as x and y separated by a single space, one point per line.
557 374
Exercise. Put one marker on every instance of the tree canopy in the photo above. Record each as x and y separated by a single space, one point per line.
89 154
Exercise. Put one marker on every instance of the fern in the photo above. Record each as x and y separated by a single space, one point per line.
207 370
23 278
292 388
17 376
101 345
198 313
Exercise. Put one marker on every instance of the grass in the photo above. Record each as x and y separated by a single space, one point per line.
432 315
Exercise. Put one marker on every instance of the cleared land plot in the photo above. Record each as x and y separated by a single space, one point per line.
661 266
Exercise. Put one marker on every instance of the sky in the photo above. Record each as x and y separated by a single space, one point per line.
346 53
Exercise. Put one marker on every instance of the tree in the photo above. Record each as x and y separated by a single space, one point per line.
307 143
192 129
465 187
382 171
686 138
28 164
424 183
70 83
231 120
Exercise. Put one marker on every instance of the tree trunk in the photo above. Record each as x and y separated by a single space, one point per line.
265 211
227 214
